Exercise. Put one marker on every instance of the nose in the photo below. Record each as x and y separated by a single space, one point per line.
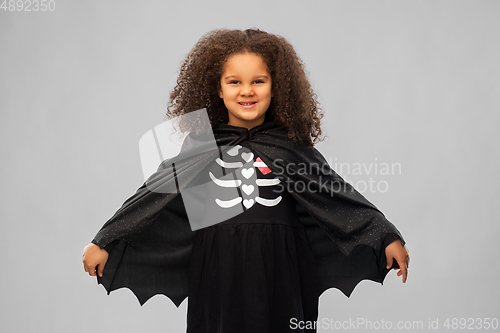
246 90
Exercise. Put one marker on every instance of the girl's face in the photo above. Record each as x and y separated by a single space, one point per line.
246 89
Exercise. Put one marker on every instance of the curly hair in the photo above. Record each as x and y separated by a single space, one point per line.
294 106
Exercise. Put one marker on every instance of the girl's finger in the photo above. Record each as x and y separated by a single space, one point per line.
404 270
100 269
405 273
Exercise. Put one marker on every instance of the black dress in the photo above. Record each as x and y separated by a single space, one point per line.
254 272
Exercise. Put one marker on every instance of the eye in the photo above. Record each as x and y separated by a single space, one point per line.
259 81
233 82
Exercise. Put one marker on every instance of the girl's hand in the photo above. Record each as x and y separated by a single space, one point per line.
395 250
94 256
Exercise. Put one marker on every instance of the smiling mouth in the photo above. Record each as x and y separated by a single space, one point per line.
246 104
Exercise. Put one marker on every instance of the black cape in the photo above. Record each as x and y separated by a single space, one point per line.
149 239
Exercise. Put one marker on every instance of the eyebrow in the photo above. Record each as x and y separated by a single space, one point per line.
256 77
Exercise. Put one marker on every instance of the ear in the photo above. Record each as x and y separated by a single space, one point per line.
220 93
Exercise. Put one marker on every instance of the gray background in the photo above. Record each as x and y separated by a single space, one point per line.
409 82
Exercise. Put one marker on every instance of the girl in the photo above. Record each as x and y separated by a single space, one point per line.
264 269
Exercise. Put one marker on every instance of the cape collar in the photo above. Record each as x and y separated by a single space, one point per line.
243 132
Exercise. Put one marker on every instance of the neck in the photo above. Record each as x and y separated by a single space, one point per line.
248 124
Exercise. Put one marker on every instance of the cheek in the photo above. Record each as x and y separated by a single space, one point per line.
268 93
228 94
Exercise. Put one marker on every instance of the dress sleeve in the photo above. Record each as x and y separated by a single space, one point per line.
389 239
108 247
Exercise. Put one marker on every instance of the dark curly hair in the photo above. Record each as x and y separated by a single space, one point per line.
294 106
